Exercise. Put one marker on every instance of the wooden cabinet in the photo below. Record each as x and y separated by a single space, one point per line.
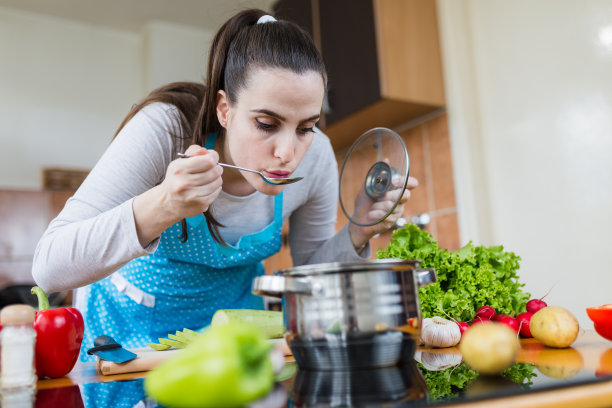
383 60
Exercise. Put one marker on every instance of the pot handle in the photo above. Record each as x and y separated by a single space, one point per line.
278 286
426 276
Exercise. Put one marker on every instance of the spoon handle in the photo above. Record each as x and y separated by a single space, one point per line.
238 168
270 180
186 156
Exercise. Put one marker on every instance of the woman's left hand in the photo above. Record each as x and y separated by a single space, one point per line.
361 235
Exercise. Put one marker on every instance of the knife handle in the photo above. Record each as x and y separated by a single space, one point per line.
103 343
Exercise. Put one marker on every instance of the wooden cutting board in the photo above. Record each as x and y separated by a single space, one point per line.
147 358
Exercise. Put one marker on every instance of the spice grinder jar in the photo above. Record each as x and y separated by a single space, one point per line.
351 314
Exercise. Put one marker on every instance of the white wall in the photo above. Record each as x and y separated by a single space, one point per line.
529 87
174 53
65 86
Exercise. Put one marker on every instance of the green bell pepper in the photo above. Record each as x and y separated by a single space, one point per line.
226 366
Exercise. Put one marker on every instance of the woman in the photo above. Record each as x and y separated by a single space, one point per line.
154 243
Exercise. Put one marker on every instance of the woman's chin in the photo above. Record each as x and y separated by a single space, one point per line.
265 188
269 189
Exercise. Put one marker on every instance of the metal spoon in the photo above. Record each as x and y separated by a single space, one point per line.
270 180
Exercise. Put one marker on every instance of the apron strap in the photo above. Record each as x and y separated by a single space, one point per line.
278 208
210 141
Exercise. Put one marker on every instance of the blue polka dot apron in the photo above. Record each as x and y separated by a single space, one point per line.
180 285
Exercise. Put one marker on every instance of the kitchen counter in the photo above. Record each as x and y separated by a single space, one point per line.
580 376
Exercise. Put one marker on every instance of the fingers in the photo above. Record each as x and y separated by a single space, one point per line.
201 160
412 183
391 196
383 208
205 195
200 186
405 197
195 150
193 183
377 210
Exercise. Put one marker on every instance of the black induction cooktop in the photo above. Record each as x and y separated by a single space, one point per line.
408 385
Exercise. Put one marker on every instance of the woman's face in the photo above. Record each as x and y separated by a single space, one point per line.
269 128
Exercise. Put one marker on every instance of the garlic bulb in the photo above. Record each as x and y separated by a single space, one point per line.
439 332
437 361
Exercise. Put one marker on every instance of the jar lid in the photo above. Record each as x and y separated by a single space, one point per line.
17 314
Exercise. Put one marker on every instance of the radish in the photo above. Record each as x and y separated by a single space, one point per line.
508 321
480 320
486 312
535 304
463 326
523 320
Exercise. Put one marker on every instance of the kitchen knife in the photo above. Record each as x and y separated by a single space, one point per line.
106 348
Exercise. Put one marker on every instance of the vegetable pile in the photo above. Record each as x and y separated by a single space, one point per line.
467 278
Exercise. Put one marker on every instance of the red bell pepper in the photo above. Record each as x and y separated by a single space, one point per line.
59 333
59 397
602 320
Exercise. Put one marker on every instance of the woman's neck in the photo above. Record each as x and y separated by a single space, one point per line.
233 181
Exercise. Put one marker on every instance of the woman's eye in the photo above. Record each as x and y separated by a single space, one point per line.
264 126
306 130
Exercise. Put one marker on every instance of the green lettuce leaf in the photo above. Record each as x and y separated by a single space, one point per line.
468 278
447 383
455 381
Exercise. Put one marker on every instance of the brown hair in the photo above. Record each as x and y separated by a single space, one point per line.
239 46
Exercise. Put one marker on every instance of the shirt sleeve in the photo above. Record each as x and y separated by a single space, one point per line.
95 234
312 227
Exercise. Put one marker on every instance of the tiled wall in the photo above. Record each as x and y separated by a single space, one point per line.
431 163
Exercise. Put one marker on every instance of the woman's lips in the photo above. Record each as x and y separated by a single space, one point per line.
277 174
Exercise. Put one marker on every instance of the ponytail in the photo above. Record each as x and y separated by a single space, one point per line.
207 121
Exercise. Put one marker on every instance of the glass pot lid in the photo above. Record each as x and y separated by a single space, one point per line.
375 170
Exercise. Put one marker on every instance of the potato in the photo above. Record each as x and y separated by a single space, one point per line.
559 363
554 326
489 348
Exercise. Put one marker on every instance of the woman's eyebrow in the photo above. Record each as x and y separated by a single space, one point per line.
282 118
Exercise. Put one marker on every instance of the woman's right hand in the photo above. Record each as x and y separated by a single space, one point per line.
192 184
189 188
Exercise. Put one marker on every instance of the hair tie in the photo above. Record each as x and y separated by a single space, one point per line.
266 18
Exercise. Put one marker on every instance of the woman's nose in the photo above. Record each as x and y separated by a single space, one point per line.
285 148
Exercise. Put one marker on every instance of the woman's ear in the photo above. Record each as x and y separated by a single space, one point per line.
223 107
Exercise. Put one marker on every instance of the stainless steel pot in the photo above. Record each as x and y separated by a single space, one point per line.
377 387
350 315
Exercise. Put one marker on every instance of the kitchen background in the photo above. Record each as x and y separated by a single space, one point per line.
505 107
